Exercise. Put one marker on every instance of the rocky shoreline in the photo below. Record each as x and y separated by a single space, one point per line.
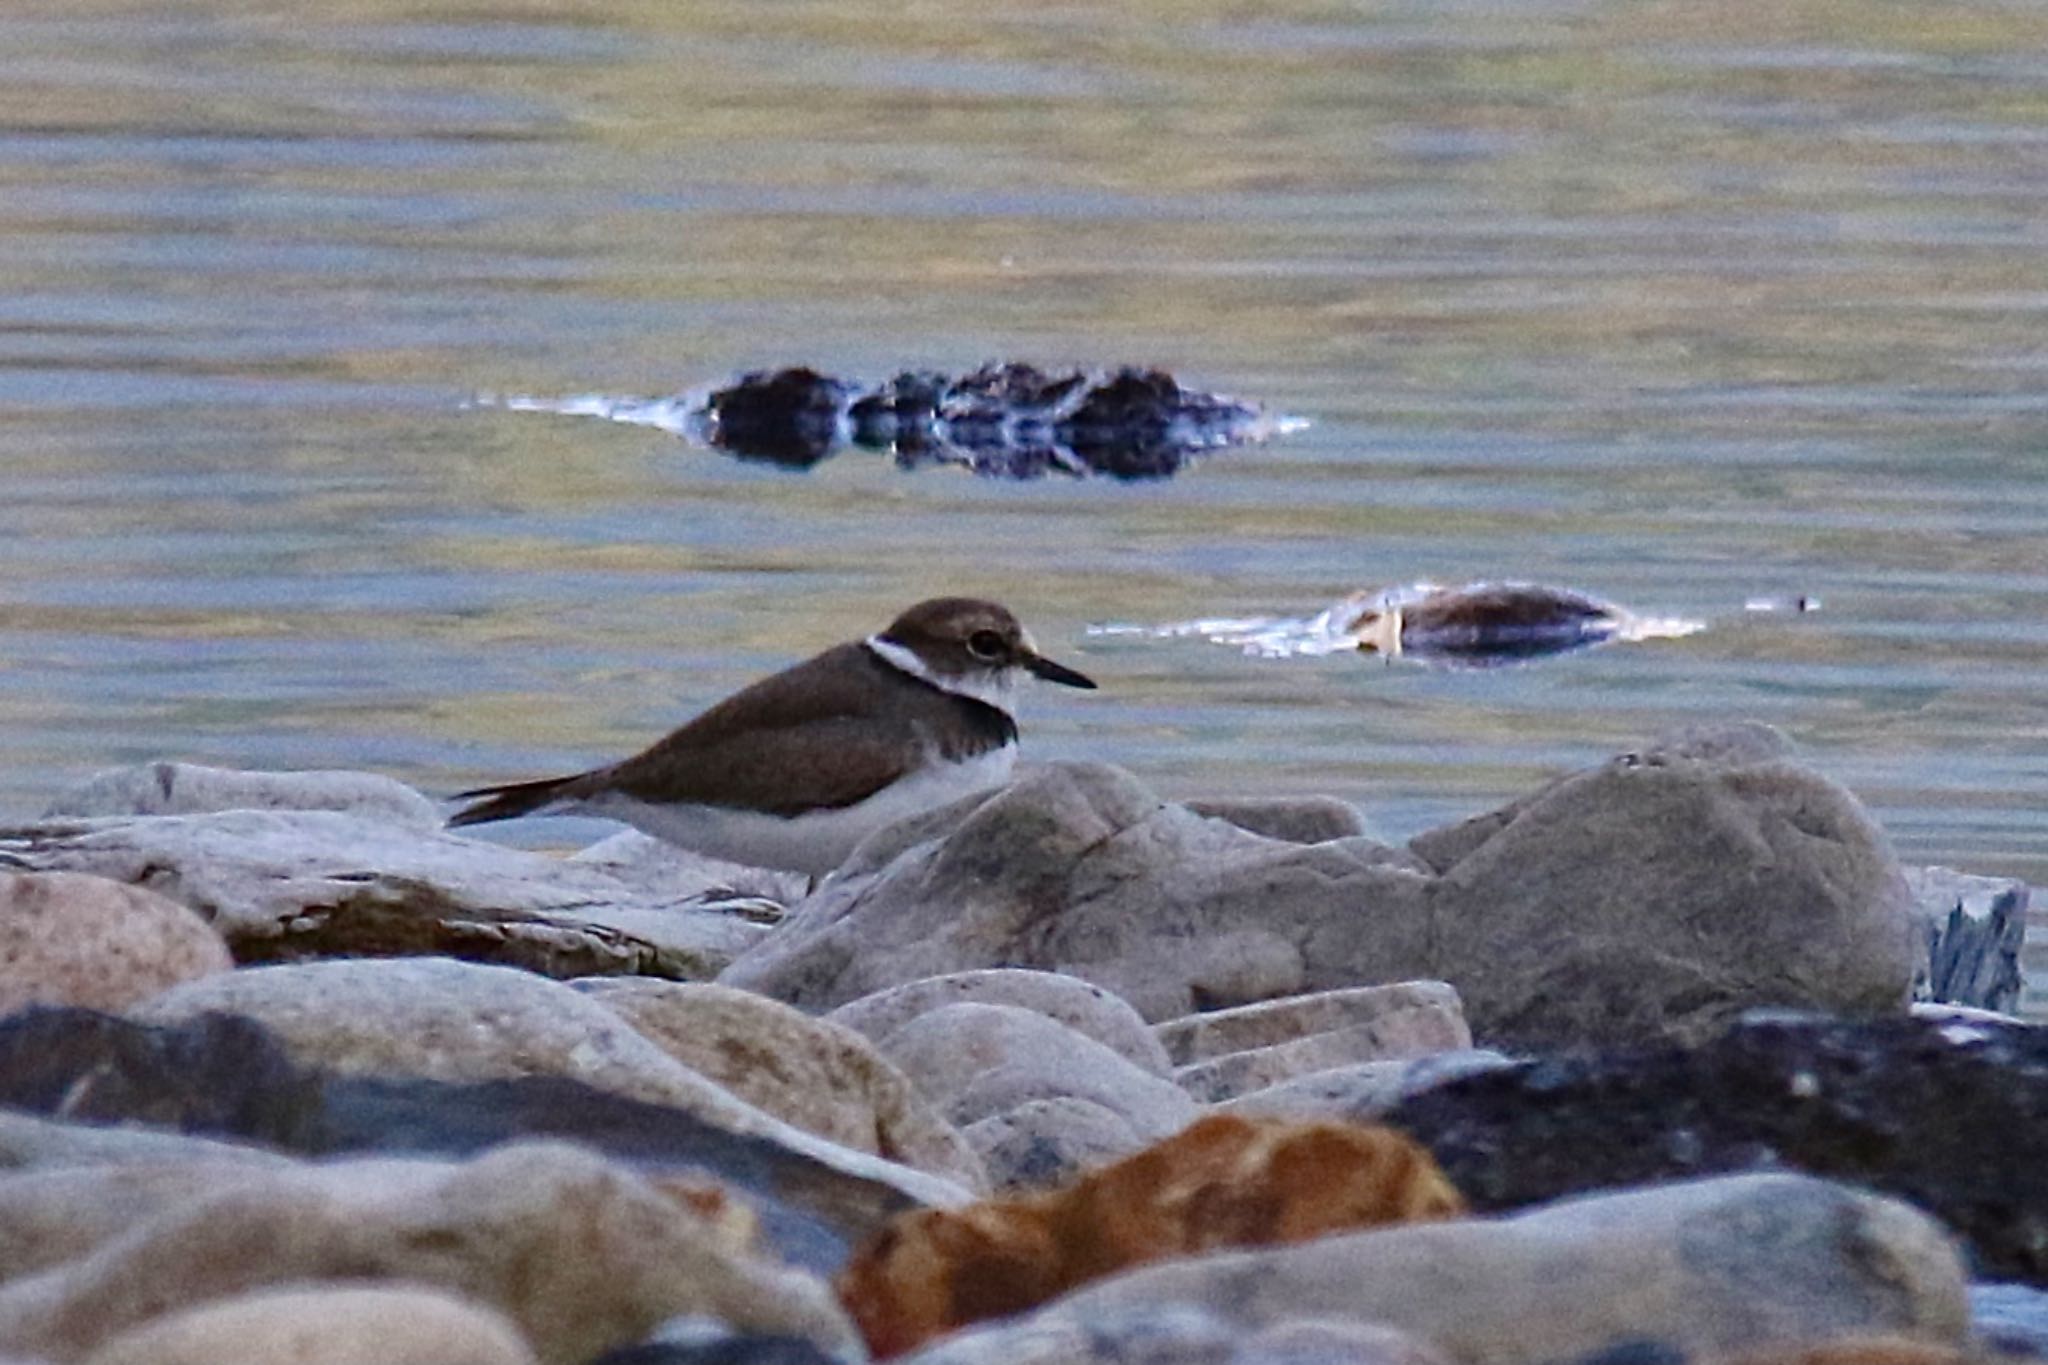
1623 1071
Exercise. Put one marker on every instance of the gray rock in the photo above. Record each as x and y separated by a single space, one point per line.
296 883
443 1020
1415 1015
1363 1091
167 788
30 1142
1177 1334
975 1061
1086 1009
1043 1143
1659 894
1971 929
1077 868
654 867
1710 1267
813 1073
1665 892
1290 819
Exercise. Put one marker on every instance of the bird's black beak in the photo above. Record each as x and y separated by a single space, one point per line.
1058 673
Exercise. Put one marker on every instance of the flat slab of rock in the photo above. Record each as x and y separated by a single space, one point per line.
1659 894
1719 1266
1945 1114
1423 1013
1235 1052
289 884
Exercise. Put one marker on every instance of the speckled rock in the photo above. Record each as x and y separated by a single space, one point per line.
1081 1006
168 788
1726 1265
71 939
1043 1143
975 1061
439 1019
1233 1052
335 1323
580 1253
813 1073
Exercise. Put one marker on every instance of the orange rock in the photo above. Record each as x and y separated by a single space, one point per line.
1224 1181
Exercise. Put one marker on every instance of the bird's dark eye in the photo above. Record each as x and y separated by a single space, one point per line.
985 644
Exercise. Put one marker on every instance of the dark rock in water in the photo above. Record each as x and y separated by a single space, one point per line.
225 1076
1950 1116
789 417
1008 421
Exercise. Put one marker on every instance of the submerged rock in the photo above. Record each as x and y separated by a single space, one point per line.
1478 625
1007 421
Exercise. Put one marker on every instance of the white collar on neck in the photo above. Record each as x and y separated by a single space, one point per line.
997 687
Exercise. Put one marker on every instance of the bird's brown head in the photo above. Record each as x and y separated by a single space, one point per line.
966 636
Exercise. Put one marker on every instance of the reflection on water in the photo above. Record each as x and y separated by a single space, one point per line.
1002 421
1687 303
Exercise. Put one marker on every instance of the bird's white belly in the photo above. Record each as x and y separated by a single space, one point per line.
815 842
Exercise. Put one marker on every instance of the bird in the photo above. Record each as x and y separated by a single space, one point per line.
794 770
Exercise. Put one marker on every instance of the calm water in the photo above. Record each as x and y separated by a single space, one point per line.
1680 304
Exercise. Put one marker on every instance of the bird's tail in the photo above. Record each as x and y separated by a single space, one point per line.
507 802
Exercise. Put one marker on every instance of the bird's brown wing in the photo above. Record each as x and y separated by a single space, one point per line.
830 732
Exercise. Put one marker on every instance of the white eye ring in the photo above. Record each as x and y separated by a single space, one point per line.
985 644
